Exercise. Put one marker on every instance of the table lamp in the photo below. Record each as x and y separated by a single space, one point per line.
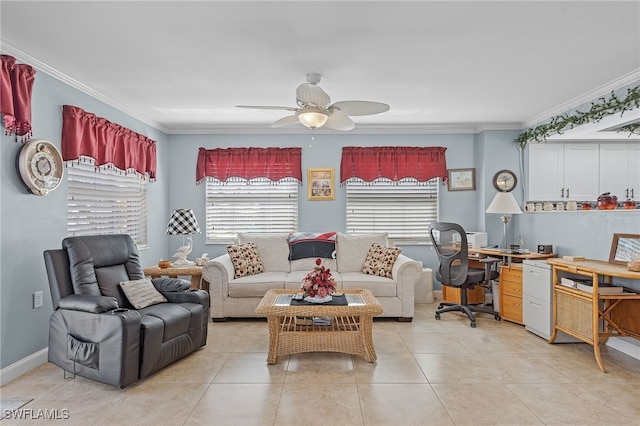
183 222
504 203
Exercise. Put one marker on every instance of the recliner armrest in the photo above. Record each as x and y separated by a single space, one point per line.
189 296
88 303
164 285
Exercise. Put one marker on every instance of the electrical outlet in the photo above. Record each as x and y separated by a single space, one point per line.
38 299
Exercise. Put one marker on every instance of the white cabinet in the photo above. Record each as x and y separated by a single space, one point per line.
620 170
563 171
537 300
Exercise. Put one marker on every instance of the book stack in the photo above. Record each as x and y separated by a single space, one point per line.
586 284
313 320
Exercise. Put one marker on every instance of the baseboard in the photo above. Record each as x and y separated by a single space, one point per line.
624 346
23 366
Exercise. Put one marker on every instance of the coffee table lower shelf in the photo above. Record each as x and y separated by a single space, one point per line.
350 330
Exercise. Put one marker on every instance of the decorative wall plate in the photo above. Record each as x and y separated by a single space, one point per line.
40 166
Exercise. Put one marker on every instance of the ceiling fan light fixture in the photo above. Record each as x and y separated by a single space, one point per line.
312 117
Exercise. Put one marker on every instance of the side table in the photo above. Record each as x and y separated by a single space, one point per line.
195 272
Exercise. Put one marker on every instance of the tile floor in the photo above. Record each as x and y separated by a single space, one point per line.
428 373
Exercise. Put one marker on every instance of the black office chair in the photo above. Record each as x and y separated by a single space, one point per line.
450 243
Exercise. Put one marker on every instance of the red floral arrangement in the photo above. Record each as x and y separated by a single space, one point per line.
318 282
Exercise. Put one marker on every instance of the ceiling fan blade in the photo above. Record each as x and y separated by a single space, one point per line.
339 122
358 108
308 94
267 107
285 121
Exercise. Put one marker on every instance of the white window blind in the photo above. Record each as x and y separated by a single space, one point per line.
404 210
106 201
255 206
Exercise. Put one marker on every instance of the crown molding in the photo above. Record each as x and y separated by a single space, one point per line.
625 80
8 48
360 129
409 128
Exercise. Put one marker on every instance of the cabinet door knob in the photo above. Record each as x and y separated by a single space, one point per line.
567 192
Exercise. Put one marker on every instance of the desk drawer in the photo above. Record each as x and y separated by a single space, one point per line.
511 308
512 288
511 273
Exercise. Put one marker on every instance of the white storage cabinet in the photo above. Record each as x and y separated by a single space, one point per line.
563 171
620 170
537 300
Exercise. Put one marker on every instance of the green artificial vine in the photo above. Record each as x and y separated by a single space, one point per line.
601 108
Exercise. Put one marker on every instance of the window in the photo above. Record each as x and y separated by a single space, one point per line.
404 209
258 205
106 201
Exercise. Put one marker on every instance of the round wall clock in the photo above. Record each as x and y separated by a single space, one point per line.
505 180
40 166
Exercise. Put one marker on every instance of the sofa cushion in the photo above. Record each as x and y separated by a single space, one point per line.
175 319
141 293
352 250
379 286
256 285
246 260
380 260
272 248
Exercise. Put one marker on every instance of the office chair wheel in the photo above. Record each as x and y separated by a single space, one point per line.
498 317
473 324
437 316
440 306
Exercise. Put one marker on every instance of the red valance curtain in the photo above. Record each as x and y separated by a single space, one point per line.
16 86
249 163
86 135
393 162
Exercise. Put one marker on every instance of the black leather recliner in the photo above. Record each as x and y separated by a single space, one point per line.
96 333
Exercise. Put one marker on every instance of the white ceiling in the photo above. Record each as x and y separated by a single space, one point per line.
183 66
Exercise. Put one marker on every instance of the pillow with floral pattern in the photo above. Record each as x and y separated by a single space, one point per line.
246 260
380 260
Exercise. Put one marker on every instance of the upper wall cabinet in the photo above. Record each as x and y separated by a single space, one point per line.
620 170
563 172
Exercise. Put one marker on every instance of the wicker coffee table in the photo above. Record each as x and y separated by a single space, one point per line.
291 330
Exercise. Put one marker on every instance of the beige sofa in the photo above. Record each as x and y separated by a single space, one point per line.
239 297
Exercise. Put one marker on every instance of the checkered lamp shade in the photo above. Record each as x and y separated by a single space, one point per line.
182 222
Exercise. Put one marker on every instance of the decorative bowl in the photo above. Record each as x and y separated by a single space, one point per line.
317 299
164 264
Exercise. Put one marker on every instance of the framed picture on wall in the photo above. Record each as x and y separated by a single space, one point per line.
461 179
321 184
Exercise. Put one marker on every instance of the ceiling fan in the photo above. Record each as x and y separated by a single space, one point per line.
315 109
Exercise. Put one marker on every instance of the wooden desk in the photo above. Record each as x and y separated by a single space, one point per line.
195 272
510 281
479 253
511 275
579 313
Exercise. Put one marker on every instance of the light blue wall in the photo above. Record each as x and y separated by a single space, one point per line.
324 150
30 224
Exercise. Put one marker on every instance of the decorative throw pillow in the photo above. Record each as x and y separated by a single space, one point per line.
246 260
380 260
141 293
